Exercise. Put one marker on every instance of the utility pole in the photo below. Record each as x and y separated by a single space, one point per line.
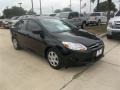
80 6
90 6
32 6
52 9
70 4
40 7
20 4
119 4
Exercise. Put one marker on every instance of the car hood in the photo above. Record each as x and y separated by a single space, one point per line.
82 37
117 18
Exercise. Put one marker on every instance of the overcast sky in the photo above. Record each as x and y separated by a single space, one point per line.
47 5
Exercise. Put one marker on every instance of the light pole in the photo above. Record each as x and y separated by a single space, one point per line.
40 7
70 4
20 4
90 6
32 6
80 6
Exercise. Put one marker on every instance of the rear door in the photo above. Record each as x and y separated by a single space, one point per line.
21 33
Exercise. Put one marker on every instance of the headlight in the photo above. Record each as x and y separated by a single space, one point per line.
74 46
111 24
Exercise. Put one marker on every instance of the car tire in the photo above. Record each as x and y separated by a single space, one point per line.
109 37
54 58
83 25
99 23
16 44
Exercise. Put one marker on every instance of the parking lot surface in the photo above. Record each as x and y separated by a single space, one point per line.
24 70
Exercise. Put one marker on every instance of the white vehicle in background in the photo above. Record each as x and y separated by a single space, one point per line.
113 28
74 18
98 18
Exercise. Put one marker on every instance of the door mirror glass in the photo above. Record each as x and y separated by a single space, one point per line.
36 32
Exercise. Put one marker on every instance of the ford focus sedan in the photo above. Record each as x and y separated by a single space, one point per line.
59 42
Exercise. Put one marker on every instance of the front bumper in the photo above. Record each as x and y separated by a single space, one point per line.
113 32
83 57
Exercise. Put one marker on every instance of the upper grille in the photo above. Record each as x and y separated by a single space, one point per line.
96 46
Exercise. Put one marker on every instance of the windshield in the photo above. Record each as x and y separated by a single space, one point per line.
95 14
118 13
55 25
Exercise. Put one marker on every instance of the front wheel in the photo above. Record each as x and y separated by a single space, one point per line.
109 37
54 59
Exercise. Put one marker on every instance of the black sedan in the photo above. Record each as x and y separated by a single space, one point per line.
59 42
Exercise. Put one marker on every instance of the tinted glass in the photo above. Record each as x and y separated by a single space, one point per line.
21 25
55 25
118 14
33 26
95 14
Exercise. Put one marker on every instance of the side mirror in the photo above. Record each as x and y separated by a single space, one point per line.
36 32
41 33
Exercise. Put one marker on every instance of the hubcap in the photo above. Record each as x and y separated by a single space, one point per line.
53 58
15 43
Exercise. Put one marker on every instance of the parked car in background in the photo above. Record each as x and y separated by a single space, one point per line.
12 21
113 28
75 18
5 23
15 19
1 22
98 18
59 42
53 15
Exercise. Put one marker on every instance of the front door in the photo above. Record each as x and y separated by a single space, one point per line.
36 43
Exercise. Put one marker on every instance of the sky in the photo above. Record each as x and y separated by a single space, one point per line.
50 5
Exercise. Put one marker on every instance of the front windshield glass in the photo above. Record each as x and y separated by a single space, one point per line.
95 14
55 25
118 13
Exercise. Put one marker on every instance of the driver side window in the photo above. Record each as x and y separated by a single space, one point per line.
33 26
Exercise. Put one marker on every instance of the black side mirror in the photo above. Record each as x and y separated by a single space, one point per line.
36 32
40 32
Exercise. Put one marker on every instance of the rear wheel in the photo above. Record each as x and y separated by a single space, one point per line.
99 23
54 58
83 25
15 44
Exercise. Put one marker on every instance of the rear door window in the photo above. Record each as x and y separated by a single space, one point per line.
21 25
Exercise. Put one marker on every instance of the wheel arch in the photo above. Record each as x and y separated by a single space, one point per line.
49 47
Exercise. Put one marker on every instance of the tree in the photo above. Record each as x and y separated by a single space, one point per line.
98 4
104 7
66 9
14 11
57 11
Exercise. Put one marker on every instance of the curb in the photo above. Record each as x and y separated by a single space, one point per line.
102 35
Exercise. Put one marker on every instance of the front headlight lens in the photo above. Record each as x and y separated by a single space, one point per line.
111 24
74 46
